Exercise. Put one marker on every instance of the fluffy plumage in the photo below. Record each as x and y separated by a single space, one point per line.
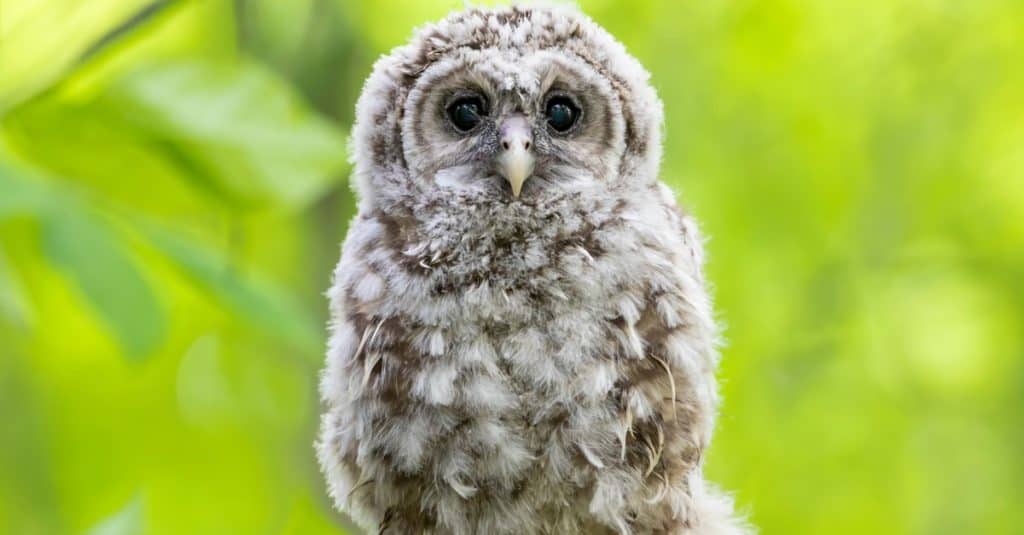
533 364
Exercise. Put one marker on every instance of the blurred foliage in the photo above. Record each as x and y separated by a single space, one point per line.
172 197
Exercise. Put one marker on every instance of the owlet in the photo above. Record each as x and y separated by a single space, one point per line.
522 341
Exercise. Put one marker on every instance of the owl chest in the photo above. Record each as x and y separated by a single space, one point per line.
505 403
523 371
523 354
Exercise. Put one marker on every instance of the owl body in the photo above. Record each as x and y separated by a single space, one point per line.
522 341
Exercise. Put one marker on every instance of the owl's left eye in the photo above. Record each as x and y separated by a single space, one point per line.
465 113
562 113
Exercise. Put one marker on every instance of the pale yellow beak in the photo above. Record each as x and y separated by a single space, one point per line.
515 161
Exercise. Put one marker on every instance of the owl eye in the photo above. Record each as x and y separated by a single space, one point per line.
465 113
562 114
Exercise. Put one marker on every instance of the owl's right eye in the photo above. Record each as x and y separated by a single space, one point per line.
465 113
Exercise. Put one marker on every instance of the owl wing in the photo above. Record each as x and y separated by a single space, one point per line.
371 438
667 396
359 337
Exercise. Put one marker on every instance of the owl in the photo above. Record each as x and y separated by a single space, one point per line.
522 341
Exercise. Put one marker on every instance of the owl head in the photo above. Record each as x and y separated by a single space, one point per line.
503 106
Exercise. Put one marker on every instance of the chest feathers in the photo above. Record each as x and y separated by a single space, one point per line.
495 375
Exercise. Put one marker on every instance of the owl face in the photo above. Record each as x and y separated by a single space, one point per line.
511 123
504 107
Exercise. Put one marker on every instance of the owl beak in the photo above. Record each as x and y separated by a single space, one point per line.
515 161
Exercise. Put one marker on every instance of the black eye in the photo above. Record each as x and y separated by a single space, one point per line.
562 113
465 113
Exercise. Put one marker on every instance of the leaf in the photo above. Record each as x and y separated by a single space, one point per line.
22 195
259 303
143 15
128 521
85 248
42 41
13 303
93 150
239 127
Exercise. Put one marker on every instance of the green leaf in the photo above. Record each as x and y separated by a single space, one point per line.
238 127
127 521
42 41
90 254
13 304
259 303
22 196
91 148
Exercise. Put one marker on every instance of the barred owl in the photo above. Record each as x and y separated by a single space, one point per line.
522 341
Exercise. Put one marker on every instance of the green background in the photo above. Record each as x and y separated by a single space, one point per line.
173 195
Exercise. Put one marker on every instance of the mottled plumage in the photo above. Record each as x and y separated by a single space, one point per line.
532 363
